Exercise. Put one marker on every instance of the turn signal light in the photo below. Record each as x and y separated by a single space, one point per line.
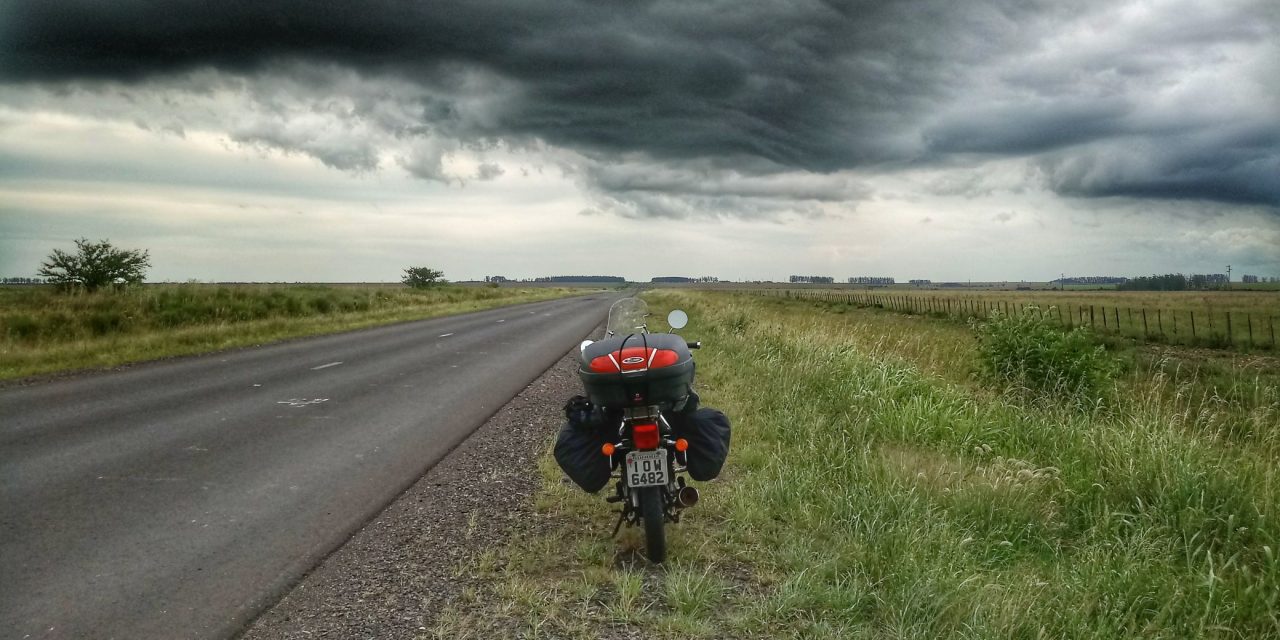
607 449
645 436
682 444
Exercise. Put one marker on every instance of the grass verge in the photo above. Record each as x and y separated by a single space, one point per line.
42 331
876 489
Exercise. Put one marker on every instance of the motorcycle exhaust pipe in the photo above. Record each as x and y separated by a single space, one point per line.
687 497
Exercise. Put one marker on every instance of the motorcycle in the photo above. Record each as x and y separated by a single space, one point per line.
642 380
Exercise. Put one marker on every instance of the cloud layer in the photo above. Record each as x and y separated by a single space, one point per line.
680 109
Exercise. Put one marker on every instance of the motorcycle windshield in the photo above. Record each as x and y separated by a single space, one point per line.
627 316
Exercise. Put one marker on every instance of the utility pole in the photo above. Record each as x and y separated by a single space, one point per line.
1228 276
1062 283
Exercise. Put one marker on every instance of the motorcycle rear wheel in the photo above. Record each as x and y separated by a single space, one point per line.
651 512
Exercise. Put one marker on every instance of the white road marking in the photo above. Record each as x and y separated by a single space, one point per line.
296 402
502 321
445 335
325 366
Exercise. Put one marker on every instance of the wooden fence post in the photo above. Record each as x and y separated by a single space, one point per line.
1193 327
1104 318
1248 319
1230 337
1117 319
1144 322
1159 322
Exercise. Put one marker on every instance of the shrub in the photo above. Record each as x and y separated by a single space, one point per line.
322 304
1026 352
102 323
23 327
95 265
422 277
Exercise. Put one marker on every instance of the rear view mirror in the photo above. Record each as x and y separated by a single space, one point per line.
677 319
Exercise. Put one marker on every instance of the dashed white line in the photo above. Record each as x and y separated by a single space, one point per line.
445 335
325 366
301 402
502 321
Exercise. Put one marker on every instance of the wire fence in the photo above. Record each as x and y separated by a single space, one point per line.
1204 327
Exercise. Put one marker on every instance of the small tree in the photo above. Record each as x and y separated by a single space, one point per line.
95 265
422 277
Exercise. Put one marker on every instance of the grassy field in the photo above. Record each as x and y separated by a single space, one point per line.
877 488
42 331
1224 319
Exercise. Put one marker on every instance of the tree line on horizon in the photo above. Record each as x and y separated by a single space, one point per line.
1175 282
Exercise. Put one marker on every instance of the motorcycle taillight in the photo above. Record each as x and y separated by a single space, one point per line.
645 436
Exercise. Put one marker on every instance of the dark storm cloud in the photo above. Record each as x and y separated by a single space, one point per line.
752 88
808 85
1025 128
1232 164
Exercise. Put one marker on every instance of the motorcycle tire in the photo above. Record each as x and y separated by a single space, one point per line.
651 512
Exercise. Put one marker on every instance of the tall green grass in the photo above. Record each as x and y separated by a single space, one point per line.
42 330
877 489
1026 353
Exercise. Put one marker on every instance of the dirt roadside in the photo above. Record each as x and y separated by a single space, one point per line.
394 576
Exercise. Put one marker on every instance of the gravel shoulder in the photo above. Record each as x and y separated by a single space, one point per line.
412 562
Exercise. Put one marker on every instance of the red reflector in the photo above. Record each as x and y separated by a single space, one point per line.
645 436
664 358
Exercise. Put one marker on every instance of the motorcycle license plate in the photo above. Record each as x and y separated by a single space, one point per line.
646 468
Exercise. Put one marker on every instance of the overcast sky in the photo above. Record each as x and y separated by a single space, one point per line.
313 141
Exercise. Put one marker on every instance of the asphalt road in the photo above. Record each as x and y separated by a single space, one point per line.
178 499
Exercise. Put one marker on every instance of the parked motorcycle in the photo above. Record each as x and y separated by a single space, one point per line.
644 415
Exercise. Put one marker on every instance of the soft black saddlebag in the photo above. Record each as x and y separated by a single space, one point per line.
578 447
707 431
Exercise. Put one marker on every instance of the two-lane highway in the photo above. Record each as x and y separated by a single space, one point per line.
176 499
